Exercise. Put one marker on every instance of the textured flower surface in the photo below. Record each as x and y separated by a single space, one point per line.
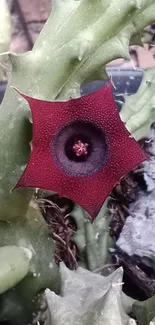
80 148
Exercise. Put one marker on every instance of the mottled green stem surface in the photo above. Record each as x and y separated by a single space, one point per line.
5 36
27 266
138 111
93 240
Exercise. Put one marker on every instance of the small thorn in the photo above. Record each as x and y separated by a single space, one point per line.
31 146
112 82
119 95
133 65
119 102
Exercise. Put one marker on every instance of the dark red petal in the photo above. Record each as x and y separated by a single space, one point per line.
43 170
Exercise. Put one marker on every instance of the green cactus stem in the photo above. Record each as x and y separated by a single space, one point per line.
92 239
5 27
145 311
5 36
26 276
87 298
138 111
15 264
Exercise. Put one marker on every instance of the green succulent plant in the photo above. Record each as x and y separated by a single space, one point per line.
5 37
145 311
27 266
87 298
138 110
93 240
73 48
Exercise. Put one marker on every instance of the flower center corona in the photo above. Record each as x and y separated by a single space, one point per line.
80 148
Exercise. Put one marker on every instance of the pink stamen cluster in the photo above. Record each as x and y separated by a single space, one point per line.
80 148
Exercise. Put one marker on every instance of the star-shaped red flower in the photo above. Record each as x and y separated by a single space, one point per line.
80 148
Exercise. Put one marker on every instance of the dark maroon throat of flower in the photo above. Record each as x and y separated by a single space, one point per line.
80 148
